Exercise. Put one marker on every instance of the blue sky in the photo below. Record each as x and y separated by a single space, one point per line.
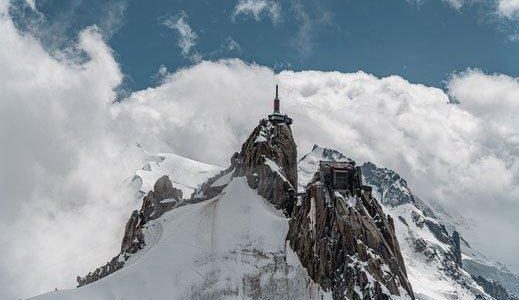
423 41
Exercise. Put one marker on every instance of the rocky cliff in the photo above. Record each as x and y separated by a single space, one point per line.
432 252
348 245
268 159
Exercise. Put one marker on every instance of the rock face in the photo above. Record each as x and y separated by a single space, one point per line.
269 161
456 248
133 238
164 197
392 188
348 245
424 241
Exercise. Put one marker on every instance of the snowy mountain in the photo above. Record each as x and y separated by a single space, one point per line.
268 227
244 233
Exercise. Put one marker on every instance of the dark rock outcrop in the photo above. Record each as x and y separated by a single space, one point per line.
163 198
269 161
451 260
456 248
133 238
348 251
348 245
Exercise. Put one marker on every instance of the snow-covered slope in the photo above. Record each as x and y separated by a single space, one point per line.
186 174
429 260
223 248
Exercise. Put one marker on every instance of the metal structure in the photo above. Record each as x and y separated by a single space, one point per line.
344 177
276 117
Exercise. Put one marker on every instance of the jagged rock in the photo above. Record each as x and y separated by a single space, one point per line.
392 188
153 206
438 230
348 245
210 188
456 248
113 265
494 289
133 238
269 161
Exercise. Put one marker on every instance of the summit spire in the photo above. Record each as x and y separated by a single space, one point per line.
276 102
276 116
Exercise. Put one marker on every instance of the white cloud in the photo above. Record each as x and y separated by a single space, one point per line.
62 167
257 9
509 8
187 37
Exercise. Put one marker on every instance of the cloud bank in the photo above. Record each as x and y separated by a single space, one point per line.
67 147
56 193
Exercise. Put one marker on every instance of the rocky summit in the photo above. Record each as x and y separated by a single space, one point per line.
342 246
348 245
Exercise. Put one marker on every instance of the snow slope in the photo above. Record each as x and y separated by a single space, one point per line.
428 269
186 174
229 247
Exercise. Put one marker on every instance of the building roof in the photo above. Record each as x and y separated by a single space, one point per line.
336 164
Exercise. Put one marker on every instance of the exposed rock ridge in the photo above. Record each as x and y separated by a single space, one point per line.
161 199
348 245
268 159
351 252
456 248
392 188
